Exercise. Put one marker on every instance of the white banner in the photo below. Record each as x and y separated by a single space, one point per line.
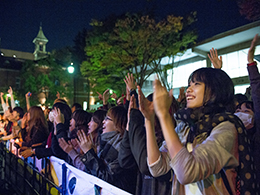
79 182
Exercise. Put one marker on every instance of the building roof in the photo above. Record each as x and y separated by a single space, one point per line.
40 37
19 55
235 39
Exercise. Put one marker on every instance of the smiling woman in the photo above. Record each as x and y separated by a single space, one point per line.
105 163
207 154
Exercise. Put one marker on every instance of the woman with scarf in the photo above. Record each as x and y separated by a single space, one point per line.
104 164
212 155
80 121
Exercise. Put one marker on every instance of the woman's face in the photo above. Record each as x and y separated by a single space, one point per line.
108 125
92 126
244 109
72 124
195 94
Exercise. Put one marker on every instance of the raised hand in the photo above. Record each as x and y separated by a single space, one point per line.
114 96
132 105
181 94
1 94
100 96
130 81
75 144
58 95
58 116
120 100
145 106
127 94
162 99
65 146
85 142
10 90
27 95
106 96
213 56
251 51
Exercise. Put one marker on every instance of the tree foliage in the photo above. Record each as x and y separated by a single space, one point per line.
135 44
250 8
44 76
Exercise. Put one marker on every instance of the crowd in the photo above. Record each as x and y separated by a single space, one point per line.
205 142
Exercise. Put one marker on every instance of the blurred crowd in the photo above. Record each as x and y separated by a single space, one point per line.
204 142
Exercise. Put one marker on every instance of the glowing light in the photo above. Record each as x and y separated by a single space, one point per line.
70 69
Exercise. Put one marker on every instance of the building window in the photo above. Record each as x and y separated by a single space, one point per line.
17 82
85 87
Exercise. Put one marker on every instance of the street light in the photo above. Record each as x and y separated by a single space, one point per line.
71 71
71 68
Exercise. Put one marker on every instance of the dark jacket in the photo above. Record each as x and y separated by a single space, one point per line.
54 149
61 132
105 164
254 77
38 135
133 153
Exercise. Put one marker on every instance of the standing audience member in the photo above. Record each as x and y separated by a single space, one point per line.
207 162
251 111
34 127
79 121
94 129
15 118
76 106
248 111
104 164
133 151
60 117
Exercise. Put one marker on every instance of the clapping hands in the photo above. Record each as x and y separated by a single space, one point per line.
85 141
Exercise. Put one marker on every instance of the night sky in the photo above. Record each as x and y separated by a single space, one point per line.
63 19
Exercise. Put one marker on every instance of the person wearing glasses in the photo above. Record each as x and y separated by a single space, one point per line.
104 164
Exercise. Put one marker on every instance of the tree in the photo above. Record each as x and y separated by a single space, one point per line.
250 8
134 44
46 77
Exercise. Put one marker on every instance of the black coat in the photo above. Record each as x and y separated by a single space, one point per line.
133 153
105 165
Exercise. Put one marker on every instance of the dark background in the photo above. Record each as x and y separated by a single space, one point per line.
62 19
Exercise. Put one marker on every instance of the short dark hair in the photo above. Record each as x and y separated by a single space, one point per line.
19 110
248 104
65 110
219 88
119 117
77 106
239 97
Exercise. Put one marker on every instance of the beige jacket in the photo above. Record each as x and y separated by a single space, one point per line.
197 167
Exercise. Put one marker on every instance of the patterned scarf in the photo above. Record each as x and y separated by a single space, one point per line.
203 120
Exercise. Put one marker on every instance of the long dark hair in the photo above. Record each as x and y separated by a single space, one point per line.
219 88
37 120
